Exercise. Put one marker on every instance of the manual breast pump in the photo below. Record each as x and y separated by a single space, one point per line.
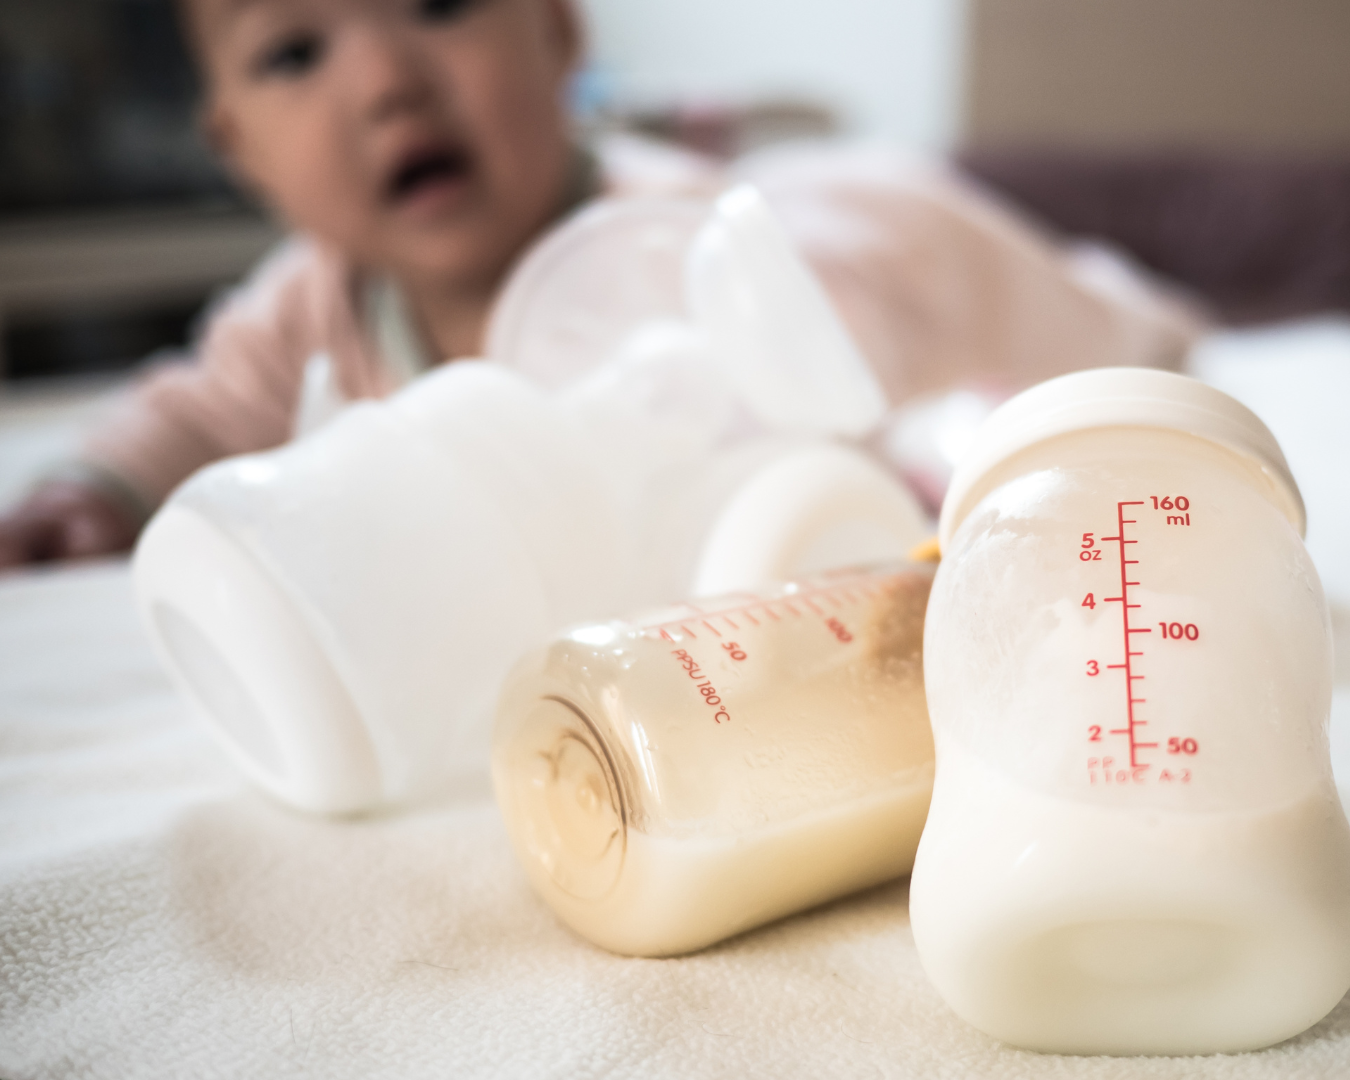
342 610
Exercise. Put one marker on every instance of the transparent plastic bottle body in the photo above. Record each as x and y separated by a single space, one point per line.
1135 843
671 781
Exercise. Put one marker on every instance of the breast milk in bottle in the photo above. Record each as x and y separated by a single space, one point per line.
1135 844
673 780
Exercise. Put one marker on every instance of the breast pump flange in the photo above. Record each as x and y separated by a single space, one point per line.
342 610
1135 845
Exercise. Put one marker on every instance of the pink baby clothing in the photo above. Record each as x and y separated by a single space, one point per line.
938 282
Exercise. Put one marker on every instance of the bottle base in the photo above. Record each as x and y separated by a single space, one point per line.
1058 926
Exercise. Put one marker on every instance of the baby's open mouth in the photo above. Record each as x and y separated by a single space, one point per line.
427 169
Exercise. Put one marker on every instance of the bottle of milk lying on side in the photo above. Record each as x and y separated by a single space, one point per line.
1135 844
673 780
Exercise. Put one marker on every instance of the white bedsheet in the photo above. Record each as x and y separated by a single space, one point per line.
157 919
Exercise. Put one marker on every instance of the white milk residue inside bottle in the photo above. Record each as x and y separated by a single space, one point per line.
1135 843
674 779
343 610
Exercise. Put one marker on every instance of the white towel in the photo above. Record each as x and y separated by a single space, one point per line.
157 919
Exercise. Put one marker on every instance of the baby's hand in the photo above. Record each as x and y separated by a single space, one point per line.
64 519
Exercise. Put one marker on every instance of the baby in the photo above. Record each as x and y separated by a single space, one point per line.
417 147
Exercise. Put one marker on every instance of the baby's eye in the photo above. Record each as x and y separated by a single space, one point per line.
292 56
443 10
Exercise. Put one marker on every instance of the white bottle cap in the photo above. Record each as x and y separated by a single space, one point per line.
239 648
1118 397
342 610
816 509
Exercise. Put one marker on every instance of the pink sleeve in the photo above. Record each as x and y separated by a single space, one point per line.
941 284
239 393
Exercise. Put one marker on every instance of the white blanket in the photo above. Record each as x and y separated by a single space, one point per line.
158 919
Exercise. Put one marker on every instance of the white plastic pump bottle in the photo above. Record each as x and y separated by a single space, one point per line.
1135 844
343 610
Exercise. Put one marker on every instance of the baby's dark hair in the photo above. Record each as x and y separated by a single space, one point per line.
186 21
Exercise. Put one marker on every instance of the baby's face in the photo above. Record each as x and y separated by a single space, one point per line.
422 137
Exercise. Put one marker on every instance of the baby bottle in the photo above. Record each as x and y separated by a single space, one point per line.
674 779
1135 844
343 610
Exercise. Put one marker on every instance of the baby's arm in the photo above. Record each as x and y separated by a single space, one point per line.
65 518
238 395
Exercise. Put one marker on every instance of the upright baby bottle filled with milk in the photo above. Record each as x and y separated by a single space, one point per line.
343 610
1135 843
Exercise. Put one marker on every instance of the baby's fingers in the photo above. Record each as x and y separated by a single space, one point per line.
25 538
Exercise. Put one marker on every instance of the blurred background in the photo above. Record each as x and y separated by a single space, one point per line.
1209 138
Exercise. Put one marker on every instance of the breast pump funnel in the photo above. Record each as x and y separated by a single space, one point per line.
344 609
1135 844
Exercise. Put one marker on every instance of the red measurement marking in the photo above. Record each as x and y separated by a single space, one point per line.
828 592
1125 607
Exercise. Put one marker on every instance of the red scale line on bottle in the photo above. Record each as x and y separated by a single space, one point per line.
830 593
1132 722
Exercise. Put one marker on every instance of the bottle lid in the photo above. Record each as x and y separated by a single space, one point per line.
815 509
1118 397
342 610
245 656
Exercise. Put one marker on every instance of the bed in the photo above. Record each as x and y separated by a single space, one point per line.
158 918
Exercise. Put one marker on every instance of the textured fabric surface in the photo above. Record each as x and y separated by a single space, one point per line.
158 919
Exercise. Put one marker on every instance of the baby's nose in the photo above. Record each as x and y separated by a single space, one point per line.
387 74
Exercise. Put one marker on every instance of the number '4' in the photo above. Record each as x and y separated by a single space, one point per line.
1088 602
